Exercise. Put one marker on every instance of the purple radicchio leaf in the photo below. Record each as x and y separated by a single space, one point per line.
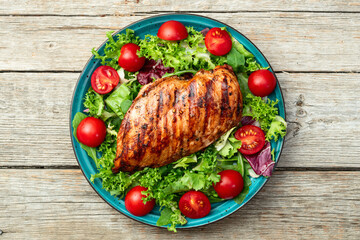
152 69
247 120
261 162
86 110
205 31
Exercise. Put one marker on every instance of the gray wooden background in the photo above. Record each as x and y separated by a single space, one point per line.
312 45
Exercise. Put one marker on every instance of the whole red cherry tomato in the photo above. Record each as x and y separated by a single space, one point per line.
129 60
218 42
231 184
172 31
134 203
91 131
262 82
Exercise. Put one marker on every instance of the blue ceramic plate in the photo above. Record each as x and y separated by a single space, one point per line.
87 165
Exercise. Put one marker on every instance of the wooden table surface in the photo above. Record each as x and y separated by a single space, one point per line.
312 45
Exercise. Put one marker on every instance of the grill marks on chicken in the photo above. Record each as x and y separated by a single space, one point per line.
173 117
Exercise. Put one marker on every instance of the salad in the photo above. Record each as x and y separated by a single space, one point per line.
188 186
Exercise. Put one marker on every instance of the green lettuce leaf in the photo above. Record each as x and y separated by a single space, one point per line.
247 183
207 160
94 102
234 163
251 65
193 180
134 87
165 217
230 149
179 73
107 115
220 143
119 100
228 145
241 49
235 59
171 216
113 47
190 53
277 128
185 161
266 113
243 82
115 184
236 144
262 111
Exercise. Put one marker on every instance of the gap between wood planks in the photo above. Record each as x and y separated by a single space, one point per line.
181 12
280 169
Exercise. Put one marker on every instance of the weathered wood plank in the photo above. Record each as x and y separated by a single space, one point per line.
290 41
93 7
322 111
324 119
59 204
34 118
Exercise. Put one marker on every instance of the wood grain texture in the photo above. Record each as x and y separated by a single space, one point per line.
59 204
322 113
34 119
114 7
324 119
290 41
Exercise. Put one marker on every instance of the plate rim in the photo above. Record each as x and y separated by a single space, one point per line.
73 97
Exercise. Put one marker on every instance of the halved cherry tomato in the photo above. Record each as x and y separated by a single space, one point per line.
218 42
252 139
194 204
91 131
172 31
134 203
129 60
104 79
262 82
231 184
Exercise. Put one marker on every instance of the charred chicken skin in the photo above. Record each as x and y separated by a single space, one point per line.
174 117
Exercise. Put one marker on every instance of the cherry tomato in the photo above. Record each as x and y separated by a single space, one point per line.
129 60
231 184
91 131
104 79
194 204
134 203
262 82
252 139
218 42
172 31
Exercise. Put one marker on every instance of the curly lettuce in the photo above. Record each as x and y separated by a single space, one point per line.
277 129
113 46
266 113
190 53
94 102
227 144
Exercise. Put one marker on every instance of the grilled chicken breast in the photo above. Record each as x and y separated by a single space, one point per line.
172 118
